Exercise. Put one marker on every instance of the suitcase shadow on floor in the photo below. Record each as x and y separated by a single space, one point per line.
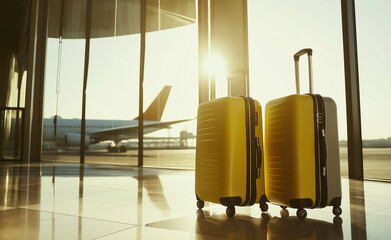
266 227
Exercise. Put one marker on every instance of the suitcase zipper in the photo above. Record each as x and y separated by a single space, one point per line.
317 157
253 159
250 146
320 152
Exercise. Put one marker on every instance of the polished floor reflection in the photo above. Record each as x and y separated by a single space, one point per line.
69 201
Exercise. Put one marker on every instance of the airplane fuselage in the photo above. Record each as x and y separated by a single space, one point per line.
73 126
67 132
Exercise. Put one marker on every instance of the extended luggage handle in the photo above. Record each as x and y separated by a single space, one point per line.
237 76
297 56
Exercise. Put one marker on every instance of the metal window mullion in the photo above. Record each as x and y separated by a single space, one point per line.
141 82
353 114
86 63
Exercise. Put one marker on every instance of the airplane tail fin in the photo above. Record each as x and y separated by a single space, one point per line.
155 110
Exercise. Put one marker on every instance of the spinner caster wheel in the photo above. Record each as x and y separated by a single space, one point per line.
200 204
301 213
337 221
264 207
266 217
284 213
230 211
283 207
337 211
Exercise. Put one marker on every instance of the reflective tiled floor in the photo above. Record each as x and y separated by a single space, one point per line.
68 201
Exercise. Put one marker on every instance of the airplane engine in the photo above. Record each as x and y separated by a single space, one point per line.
73 140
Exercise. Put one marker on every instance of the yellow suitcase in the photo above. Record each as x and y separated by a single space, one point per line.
301 150
229 152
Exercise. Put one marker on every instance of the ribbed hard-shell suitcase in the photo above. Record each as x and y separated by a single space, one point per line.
302 168
229 152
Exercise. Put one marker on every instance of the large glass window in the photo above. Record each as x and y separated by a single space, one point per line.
171 64
277 30
64 72
11 133
373 23
170 85
63 98
112 82
112 100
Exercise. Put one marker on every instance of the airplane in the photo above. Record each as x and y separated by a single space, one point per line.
66 132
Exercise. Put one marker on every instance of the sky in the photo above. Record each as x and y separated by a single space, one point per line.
277 29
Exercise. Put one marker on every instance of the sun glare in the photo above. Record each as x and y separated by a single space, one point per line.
215 67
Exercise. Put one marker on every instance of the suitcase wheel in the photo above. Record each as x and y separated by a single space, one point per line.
337 211
200 204
301 213
337 221
230 211
264 207
283 207
284 213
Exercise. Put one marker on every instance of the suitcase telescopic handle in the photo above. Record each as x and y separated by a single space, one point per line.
240 76
297 56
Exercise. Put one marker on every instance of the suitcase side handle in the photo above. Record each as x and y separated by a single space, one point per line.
296 57
259 153
325 151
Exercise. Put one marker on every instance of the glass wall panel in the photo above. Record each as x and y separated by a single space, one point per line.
171 66
11 133
62 100
14 49
112 100
373 22
277 30
112 84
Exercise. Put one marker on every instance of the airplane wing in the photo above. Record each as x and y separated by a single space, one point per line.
129 132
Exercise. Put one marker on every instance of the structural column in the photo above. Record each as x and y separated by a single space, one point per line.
203 50
355 157
32 90
37 114
223 36
229 41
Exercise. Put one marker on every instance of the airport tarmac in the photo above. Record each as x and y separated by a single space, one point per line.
377 161
161 158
